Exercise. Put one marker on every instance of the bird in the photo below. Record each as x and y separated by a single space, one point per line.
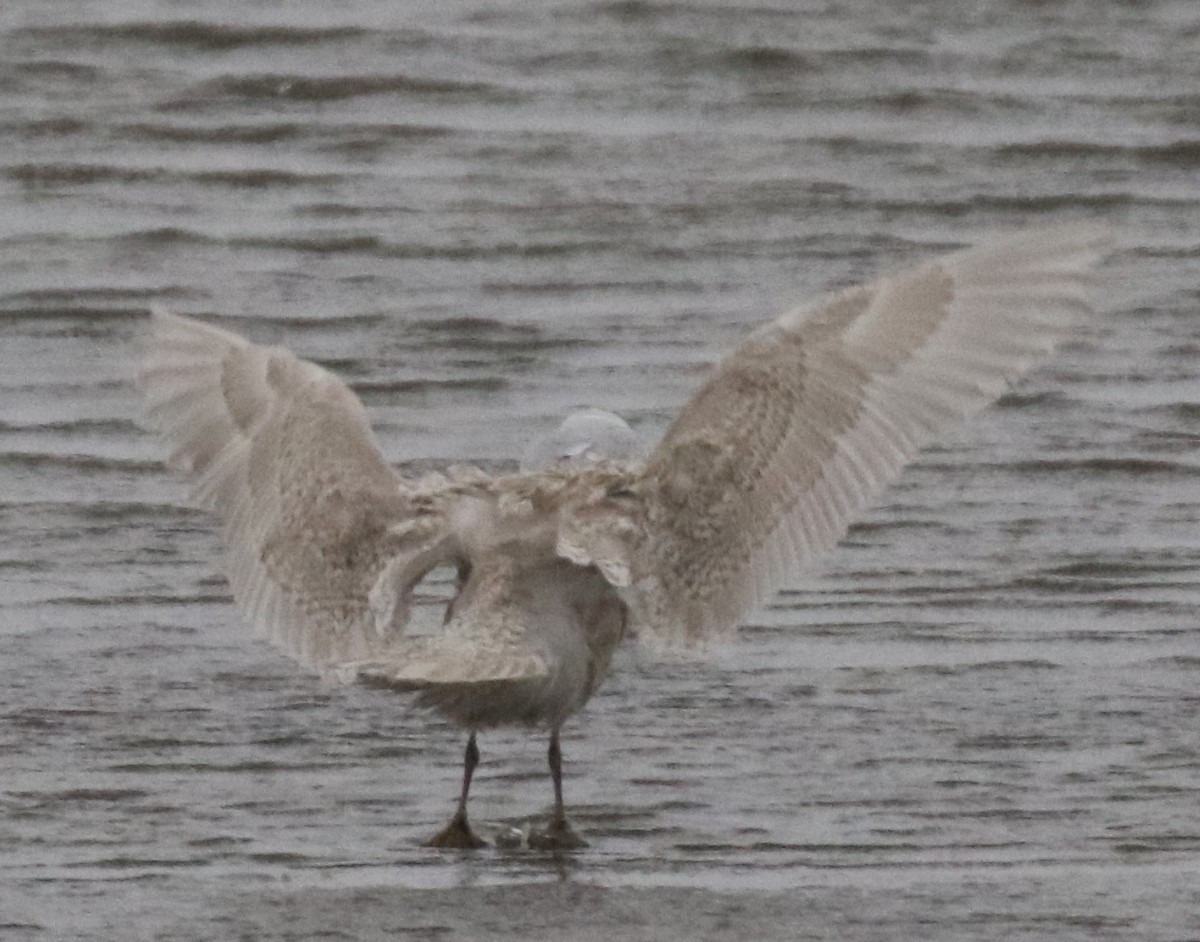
787 440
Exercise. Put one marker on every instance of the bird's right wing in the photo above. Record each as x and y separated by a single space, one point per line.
807 421
323 538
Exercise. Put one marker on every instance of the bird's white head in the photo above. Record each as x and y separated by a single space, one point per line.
584 438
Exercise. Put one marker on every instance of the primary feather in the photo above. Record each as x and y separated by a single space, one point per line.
282 452
764 469
807 421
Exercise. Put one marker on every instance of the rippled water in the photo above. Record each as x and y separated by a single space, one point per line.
978 720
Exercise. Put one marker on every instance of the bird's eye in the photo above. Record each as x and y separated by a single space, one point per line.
620 490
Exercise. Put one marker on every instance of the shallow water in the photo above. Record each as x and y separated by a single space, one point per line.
977 720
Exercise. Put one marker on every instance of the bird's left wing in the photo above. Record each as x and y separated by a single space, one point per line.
323 539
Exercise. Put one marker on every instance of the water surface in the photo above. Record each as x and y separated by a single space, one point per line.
977 720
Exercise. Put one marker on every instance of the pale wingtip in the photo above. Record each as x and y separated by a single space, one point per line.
161 315
159 318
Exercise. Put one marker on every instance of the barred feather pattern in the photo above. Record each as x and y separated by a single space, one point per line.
797 430
281 451
813 415
325 543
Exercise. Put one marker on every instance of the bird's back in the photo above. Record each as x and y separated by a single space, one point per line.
526 642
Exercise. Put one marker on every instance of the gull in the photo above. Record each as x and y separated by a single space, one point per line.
789 439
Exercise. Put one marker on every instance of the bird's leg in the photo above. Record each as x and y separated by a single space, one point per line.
559 835
555 757
458 833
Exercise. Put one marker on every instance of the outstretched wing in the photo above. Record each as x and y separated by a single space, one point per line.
814 414
318 529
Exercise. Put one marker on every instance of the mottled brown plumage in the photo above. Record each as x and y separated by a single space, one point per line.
765 468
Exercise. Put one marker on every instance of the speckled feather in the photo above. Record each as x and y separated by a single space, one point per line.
814 414
765 468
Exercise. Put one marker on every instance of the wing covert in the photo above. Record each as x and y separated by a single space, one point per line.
805 422
312 515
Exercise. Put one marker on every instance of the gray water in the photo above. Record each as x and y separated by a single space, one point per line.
978 719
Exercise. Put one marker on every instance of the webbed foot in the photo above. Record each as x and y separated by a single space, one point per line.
557 835
457 835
